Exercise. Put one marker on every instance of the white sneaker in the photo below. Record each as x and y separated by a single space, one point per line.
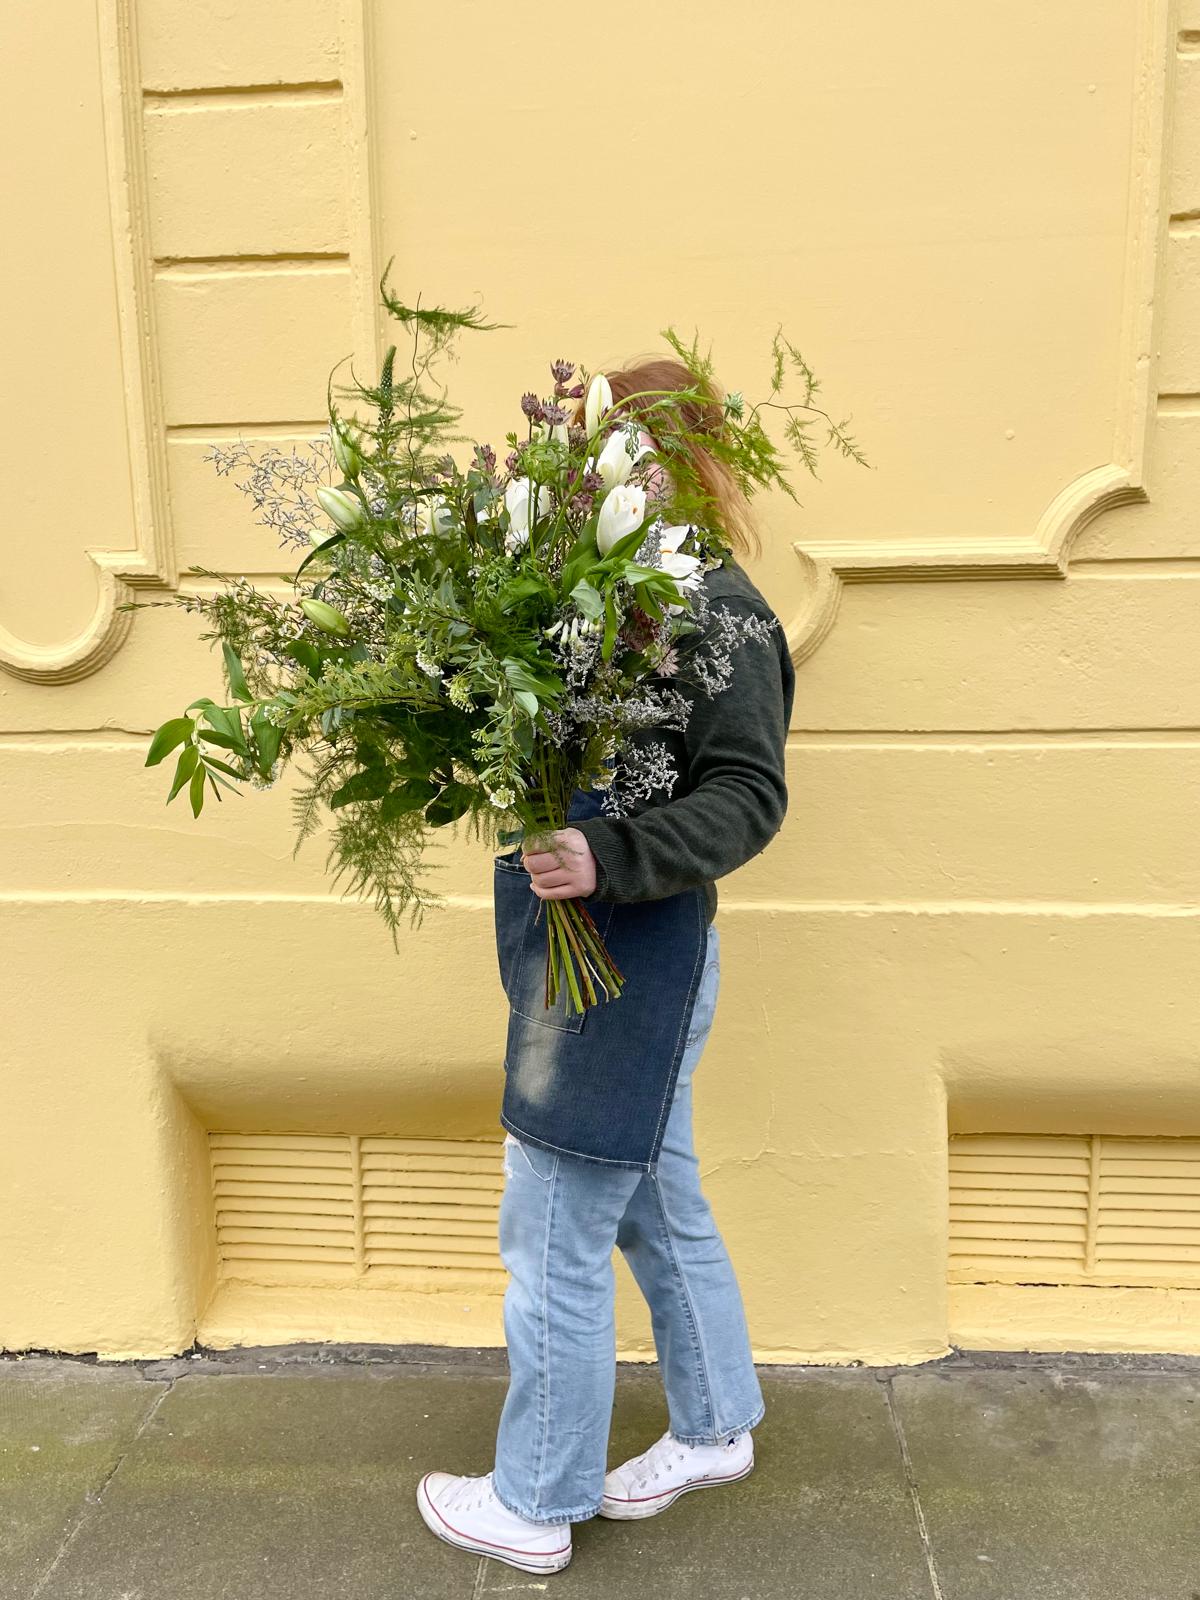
465 1512
655 1479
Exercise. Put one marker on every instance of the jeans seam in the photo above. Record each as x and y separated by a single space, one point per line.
686 1301
544 1336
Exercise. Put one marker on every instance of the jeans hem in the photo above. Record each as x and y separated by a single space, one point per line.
724 1433
577 1514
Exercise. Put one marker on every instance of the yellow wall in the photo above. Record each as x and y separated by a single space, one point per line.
981 915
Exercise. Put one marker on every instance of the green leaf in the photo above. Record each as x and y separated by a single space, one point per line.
582 555
184 768
237 678
588 599
267 738
528 702
211 761
610 624
520 676
628 545
228 729
449 805
520 589
306 654
167 738
369 784
319 550
196 790
410 796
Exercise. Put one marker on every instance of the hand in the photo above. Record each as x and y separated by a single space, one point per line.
562 879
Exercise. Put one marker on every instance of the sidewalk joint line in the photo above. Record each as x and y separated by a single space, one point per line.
910 1478
92 1503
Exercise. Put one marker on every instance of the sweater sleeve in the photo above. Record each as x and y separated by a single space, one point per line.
737 792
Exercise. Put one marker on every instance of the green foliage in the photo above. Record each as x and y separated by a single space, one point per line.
413 662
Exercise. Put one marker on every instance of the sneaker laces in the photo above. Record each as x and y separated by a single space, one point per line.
470 1494
646 1468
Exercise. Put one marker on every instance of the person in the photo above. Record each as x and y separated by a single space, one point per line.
563 1210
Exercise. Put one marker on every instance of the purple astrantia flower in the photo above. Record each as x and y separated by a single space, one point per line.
553 414
532 407
562 372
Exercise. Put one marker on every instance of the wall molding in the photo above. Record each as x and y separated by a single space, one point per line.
828 565
151 562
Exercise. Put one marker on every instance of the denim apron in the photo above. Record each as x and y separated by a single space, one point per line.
597 1084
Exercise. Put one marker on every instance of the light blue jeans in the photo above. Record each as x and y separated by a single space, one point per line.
560 1217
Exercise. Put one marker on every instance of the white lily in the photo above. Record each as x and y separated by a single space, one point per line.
671 561
516 499
598 400
623 510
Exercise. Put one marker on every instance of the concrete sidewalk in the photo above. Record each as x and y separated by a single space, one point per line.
290 1474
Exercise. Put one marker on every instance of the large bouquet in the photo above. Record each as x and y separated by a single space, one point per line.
474 642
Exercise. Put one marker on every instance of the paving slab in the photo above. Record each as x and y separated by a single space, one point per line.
283 1487
825 1515
63 1428
1052 1485
300 1482
288 1475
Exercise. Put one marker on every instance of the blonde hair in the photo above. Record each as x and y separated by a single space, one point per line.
694 417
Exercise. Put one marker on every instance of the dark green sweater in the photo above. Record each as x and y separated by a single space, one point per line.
731 794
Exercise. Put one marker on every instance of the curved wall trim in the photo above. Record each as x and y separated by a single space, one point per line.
1047 551
151 563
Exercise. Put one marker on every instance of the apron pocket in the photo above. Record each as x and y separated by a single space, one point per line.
521 947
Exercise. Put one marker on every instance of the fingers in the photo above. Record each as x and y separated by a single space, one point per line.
563 858
555 879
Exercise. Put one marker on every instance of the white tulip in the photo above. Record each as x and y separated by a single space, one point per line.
434 517
615 464
516 498
623 510
599 400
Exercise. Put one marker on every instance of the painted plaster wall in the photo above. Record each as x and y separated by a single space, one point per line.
981 914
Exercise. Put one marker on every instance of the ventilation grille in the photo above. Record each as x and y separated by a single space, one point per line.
1098 1210
310 1208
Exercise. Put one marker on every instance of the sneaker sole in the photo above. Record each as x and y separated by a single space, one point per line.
437 1524
632 1510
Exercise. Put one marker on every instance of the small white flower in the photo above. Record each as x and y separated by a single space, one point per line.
501 798
427 666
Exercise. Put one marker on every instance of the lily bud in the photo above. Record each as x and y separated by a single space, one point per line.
345 451
339 507
599 400
325 616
